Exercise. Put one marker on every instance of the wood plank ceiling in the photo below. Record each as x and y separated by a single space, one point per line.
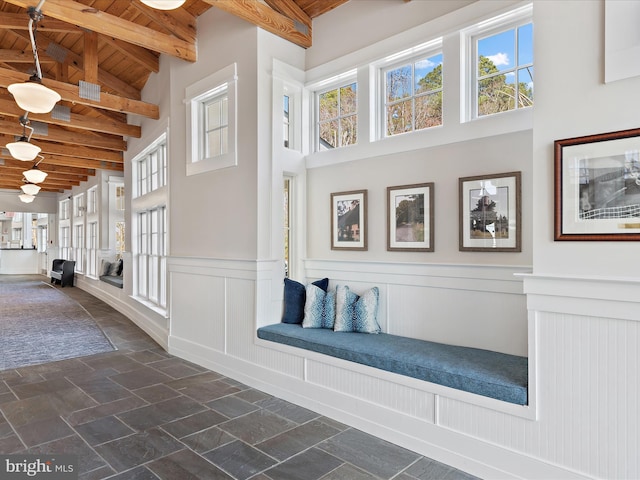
115 44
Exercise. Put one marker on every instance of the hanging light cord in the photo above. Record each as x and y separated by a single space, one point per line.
35 15
24 121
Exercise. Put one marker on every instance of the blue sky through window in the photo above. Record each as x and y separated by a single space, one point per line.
501 49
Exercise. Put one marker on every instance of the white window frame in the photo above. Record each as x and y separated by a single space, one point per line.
78 205
79 248
92 249
143 173
333 83
506 21
65 242
409 56
151 257
92 200
64 209
221 83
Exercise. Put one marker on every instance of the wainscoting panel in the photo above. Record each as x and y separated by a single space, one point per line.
399 398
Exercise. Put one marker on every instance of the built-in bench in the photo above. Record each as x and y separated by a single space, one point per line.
111 273
492 374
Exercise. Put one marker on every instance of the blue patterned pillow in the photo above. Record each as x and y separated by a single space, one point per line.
295 298
354 313
320 308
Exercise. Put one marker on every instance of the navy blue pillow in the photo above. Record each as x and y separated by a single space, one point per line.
295 296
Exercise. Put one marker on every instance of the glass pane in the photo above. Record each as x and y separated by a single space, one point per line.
525 44
213 144
429 110
328 105
348 99
496 53
495 95
224 140
399 118
525 87
328 135
428 74
399 83
214 114
349 130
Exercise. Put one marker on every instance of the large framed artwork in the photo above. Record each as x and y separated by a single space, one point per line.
597 187
489 211
349 220
410 218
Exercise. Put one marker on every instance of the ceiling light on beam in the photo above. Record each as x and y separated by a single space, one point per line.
163 4
22 149
26 198
30 189
32 96
35 175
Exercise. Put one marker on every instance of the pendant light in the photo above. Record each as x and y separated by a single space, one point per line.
32 96
30 189
35 175
22 149
26 198
163 4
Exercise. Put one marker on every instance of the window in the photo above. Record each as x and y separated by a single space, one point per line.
413 95
151 262
92 200
78 247
287 224
92 249
337 117
503 64
78 205
287 120
65 245
64 210
120 226
150 171
211 122
120 196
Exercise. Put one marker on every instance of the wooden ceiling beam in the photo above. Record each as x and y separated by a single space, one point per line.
58 134
75 61
44 188
81 122
142 56
54 177
77 151
22 56
9 176
179 22
290 9
93 19
67 161
20 21
90 52
264 17
51 169
70 93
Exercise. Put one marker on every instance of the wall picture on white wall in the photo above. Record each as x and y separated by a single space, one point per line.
410 218
349 220
490 213
597 187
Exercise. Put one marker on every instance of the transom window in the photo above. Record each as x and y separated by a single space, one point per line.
503 65
413 95
150 171
338 117
215 110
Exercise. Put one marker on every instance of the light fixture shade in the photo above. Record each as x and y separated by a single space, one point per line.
26 198
34 97
163 4
30 188
35 175
23 150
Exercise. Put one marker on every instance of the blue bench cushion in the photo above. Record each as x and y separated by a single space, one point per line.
111 280
492 374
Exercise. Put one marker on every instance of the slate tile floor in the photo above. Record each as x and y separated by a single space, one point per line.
140 413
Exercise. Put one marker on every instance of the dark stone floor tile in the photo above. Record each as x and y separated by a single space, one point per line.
141 377
287 410
118 362
252 395
310 465
203 377
205 392
160 413
239 459
232 406
349 472
22 412
186 465
296 440
156 393
194 423
11 444
101 388
128 452
103 430
97 474
138 473
370 453
6 397
257 426
429 469
88 460
112 408
207 440
42 431
145 356
41 388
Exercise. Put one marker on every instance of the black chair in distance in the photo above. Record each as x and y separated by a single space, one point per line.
62 272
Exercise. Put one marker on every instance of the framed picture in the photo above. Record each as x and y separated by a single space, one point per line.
597 187
490 213
349 220
410 218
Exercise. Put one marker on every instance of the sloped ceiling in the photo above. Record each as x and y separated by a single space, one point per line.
115 44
